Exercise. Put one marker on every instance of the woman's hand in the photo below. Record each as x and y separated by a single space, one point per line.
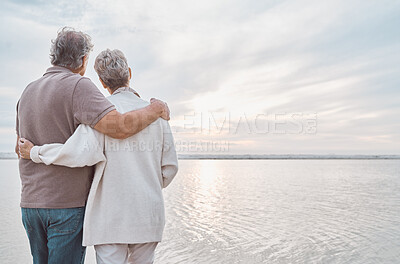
25 147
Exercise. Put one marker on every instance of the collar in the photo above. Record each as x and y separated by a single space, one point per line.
57 69
126 89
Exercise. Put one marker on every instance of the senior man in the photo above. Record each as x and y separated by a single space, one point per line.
50 109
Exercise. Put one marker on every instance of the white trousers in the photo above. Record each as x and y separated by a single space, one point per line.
125 253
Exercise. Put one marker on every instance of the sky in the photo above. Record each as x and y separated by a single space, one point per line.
240 77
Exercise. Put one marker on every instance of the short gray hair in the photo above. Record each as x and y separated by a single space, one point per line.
112 68
69 48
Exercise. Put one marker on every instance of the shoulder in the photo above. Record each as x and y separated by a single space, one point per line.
84 87
142 102
29 91
69 79
32 85
84 82
128 97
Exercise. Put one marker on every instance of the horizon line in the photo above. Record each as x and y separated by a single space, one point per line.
185 156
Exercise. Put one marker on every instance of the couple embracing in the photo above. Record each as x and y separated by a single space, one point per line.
92 168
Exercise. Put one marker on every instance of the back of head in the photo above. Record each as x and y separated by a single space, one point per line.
112 68
68 49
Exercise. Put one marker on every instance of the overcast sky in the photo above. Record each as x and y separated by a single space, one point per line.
261 77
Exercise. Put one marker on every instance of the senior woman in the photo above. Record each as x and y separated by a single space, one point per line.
124 217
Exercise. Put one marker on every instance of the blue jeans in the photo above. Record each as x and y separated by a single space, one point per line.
55 235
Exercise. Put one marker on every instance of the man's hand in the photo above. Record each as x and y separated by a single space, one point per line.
161 107
25 147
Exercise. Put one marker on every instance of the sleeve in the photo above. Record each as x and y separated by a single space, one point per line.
169 160
84 148
89 104
17 120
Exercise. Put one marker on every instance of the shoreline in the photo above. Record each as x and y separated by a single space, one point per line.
288 157
12 156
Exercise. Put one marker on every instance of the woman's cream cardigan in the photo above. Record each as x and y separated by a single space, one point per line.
125 202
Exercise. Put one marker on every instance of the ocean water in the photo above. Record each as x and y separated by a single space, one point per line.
259 211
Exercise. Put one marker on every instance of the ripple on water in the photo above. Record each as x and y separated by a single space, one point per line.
282 212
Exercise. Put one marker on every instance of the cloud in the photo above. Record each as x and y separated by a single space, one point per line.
338 59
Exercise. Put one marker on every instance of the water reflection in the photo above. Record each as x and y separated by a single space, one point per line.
283 212
287 211
207 194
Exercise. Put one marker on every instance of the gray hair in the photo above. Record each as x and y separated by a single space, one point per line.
112 68
69 48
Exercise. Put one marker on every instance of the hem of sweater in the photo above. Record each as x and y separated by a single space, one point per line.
52 205
96 235
120 241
